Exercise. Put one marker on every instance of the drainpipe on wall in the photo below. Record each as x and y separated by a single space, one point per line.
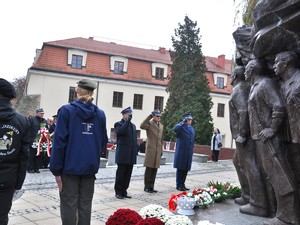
97 93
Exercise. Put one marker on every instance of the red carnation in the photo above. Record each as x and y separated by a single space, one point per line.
124 216
150 221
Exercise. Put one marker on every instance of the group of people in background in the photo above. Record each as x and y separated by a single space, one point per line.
80 140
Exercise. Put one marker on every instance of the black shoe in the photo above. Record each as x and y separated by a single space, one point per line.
187 189
30 171
153 190
119 197
148 190
126 196
37 171
180 189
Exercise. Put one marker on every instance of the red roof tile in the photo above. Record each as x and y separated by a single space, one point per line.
113 49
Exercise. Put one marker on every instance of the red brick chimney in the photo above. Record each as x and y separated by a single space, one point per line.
221 61
162 50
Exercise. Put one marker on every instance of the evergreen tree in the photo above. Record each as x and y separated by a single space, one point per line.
188 85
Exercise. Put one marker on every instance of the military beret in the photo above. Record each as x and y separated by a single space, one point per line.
156 113
7 89
87 84
127 110
188 116
41 110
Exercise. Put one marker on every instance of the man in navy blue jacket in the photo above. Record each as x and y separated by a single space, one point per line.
126 153
79 139
185 135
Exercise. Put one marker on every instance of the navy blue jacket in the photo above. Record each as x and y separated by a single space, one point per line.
80 136
184 146
127 146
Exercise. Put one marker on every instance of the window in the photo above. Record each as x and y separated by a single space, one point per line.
118 64
76 61
159 73
220 82
72 94
220 112
118 99
118 67
159 103
138 101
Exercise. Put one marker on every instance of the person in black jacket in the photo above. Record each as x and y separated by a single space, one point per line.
37 122
14 145
126 153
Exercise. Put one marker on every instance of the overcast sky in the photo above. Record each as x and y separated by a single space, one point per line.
26 24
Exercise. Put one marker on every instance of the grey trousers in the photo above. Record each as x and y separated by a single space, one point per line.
76 199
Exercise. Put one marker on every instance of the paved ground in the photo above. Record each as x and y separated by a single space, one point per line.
40 203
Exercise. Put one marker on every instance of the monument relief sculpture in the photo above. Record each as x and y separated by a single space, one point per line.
244 159
285 68
267 116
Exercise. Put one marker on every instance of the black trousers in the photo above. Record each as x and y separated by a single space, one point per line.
149 177
34 162
6 195
123 176
215 155
180 178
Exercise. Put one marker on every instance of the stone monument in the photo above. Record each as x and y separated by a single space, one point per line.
269 50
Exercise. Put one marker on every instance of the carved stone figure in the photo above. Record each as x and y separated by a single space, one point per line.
266 115
243 36
244 159
285 68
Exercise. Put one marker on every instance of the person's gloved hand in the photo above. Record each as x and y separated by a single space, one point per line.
184 120
129 117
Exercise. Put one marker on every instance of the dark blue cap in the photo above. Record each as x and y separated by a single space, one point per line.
127 110
41 110
188 116
156 113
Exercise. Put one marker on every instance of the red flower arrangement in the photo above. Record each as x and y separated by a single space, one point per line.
124 217
150 221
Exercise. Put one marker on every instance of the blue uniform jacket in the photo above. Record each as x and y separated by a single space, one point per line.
184 146
80 136
127 146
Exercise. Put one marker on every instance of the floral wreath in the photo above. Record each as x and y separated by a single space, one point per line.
204 197
43 142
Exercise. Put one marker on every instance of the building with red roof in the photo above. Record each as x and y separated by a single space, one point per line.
125 76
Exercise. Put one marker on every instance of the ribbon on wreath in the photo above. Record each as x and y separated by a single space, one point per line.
173 200
43 138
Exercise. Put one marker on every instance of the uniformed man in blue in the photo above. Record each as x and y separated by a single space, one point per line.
185 135
126 152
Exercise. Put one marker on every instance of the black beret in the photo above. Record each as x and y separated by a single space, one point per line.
7 89
87 84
